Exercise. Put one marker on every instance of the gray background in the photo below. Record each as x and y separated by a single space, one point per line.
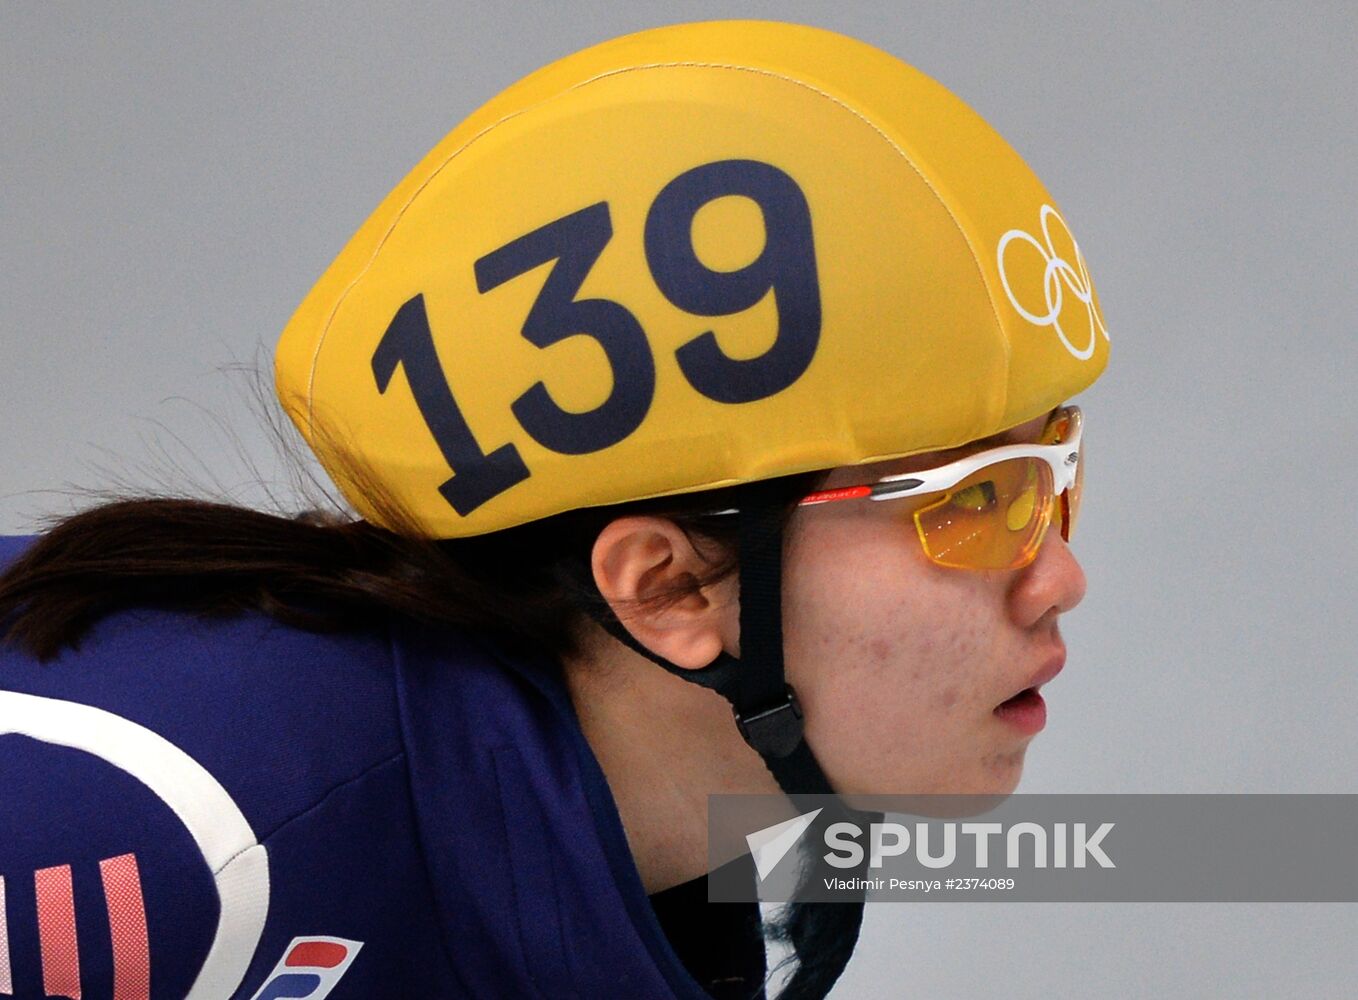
172 181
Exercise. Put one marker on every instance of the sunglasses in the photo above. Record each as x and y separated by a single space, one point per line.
992 509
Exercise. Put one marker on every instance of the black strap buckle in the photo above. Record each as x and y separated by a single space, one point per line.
776 731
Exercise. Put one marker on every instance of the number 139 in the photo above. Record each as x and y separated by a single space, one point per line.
786 266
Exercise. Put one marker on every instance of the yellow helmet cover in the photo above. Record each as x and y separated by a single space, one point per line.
689 257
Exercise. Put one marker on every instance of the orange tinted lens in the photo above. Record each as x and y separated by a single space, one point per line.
993 519
1068 510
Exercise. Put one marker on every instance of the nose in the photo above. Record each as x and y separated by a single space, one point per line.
1051 584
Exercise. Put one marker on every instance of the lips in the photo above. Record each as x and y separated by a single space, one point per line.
1025 711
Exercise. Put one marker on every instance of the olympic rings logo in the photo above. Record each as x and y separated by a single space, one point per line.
1058 277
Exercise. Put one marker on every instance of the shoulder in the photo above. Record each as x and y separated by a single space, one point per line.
277 715
241 694
165 784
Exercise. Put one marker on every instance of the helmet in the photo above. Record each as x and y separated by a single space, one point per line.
750 247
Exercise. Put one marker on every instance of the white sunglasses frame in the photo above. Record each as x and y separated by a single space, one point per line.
1062 458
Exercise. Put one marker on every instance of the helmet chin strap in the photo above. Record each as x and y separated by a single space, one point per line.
766 709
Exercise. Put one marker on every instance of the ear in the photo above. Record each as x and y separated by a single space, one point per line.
639 557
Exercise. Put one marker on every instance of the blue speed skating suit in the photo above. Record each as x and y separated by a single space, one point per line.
231 808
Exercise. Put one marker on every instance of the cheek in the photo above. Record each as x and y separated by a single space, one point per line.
871 604
894 657
921 648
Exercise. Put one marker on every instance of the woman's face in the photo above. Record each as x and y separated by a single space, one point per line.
900 663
